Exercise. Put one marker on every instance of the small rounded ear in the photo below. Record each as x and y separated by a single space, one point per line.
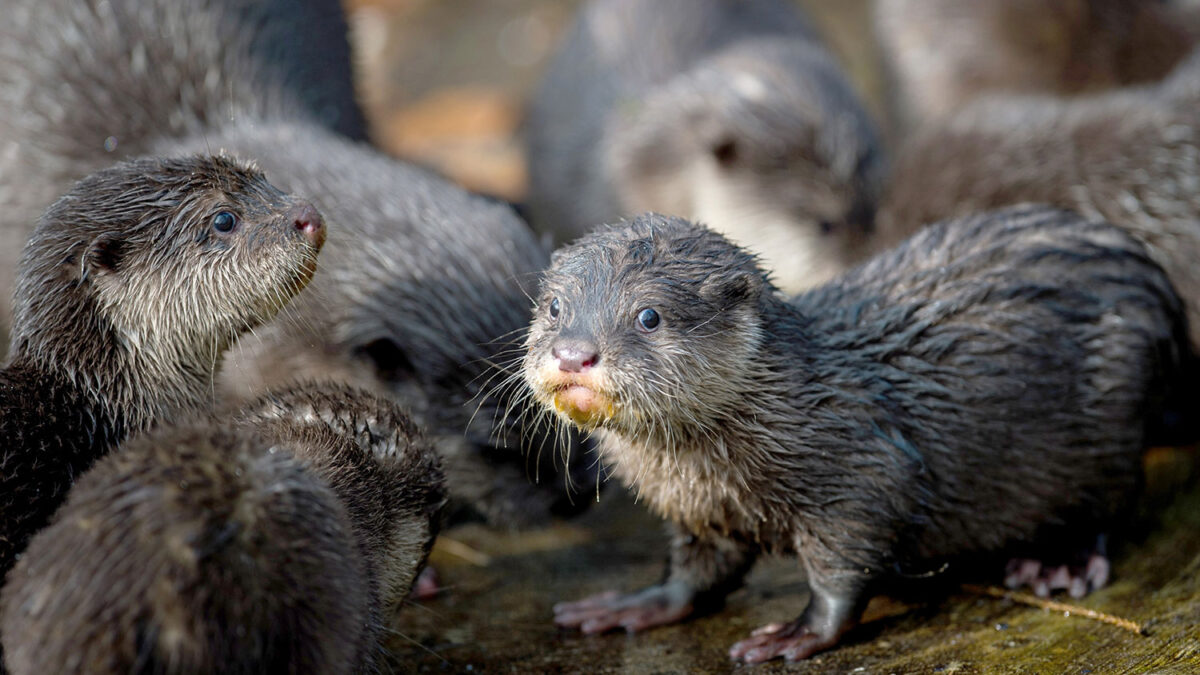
733 288
725 151
103 255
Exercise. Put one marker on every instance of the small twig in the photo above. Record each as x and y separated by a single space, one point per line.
457 548
1034 601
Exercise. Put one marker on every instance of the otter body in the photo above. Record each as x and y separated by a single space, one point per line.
942 54
423 287
988 383
729 112
131 288
281 542
1131 157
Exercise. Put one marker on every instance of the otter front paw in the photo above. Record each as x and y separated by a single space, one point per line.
654 606
793 641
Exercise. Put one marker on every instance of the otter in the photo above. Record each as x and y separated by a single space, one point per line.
1130 156
132 287
278 542
987 386
423 289
68 111
730 112
941 54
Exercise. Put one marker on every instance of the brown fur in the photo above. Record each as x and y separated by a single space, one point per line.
280 543
941 54
128 297
990 381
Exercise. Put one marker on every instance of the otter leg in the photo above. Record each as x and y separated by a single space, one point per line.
836 603
1089 573
703 570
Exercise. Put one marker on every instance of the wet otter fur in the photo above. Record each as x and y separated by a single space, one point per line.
131 288
1131 157
70 110
423 287
279 543
989 383
727 111
942 54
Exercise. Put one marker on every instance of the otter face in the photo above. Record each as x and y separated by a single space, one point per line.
764 143
645 328
176 255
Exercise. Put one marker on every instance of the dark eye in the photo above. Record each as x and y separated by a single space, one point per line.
826 226
554 308
648 320
224 222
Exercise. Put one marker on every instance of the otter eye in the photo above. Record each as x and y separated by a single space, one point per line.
648 320
826 226
554 308
224 222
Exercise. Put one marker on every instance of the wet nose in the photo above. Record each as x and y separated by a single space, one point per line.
575 357
310 223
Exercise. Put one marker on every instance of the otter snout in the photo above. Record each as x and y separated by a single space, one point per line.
310 223
575 356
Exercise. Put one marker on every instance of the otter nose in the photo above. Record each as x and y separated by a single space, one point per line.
310 223
575 357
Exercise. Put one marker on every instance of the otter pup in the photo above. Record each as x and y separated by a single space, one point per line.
941 54
727 111
1131 157
986 384
90 82
423 286
279 543
131 288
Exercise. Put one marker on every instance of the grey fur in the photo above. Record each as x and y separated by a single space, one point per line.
725 110
80 74
988 382
1130 156
262 545
128 298
422 294
941 54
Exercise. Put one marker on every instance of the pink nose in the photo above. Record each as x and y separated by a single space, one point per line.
575 357
310 223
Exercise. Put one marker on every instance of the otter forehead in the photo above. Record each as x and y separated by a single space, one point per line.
654 261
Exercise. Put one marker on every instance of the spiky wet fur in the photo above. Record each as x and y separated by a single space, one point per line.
990 380
126 302
279 542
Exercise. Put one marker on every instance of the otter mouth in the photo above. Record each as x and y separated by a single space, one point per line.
588 408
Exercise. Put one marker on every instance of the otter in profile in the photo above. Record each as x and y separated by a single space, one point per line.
281 542
726 111
942 54
989 385
1130 156
423 287
132 287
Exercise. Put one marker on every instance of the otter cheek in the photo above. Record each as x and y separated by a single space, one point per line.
585 407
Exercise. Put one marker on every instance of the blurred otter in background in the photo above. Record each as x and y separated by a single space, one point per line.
728 112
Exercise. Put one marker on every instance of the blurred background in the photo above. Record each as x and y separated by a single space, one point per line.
444 81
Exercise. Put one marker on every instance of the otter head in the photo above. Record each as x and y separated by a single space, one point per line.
144 273
764 142
646 328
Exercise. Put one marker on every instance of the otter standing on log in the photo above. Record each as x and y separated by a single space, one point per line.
987 385
1131 157
280 543
423 286
727 111
132 287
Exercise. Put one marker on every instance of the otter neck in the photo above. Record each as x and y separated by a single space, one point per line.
135 380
